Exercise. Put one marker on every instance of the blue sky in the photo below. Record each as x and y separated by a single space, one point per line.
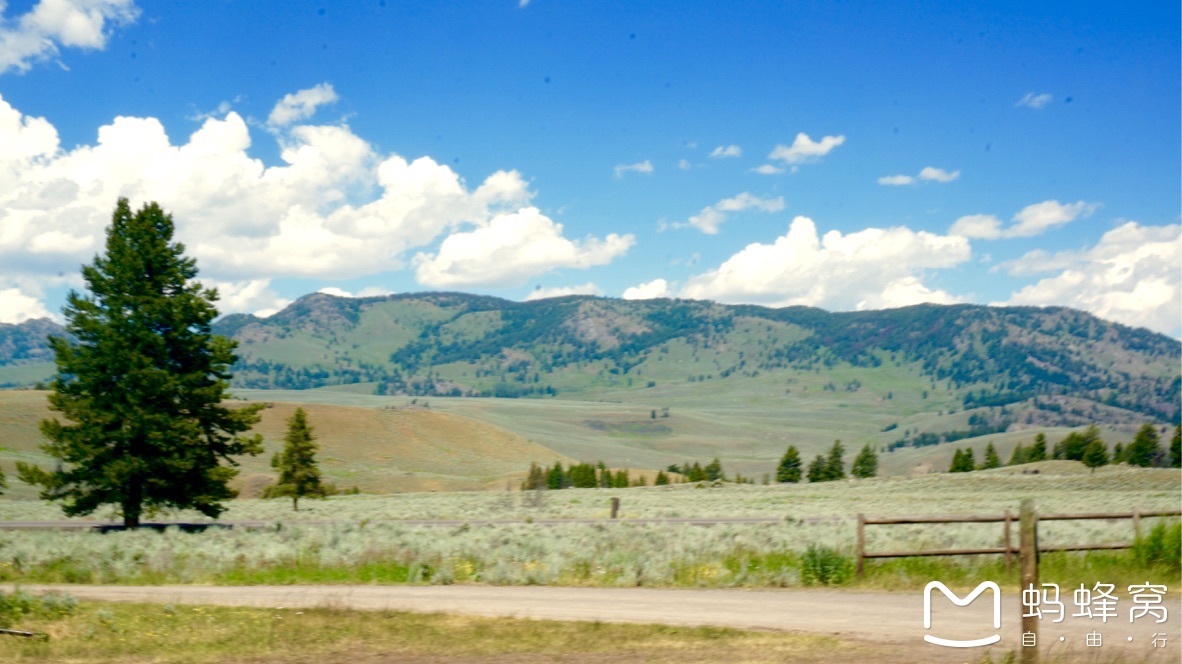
839 155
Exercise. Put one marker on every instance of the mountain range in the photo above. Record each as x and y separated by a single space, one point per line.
1058 366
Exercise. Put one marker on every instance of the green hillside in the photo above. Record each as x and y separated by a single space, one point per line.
647 383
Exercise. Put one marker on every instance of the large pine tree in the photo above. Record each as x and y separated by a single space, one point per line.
141 383
299 475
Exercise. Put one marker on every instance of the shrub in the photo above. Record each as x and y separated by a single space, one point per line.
20 605
825 566
1163 545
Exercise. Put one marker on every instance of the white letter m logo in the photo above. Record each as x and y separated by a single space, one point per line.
927 613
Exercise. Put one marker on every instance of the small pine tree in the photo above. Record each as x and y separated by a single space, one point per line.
554 477
620 481
962 461
834 466
1144 449
1176 448
789 468
1038 451
991 458
696 474
1095 455
818 469
662 478
1118 454
1019 456
299 475
866 463
713 470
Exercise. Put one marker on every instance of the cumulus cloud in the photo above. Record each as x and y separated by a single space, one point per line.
684 164
712 216
332 208
927 174
804 149
1032 100
301 105
540 293
1029 221
872 268
16 307
1130 276
510 249
724 151
37 35
645 166
253 296
648 290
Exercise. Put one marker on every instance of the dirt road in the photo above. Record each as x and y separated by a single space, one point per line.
894 620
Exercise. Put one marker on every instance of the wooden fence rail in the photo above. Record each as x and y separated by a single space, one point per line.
1008 519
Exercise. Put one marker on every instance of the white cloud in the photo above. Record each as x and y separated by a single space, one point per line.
1032 100
253 296
645 166
724 151
1029 221
933 174
1131 276
510 249
333 208
368 291
559 291
767 169
648 290
870 268
804 149
301 105
16 307
712 216
896 180
684 164
1040 217
981 226
36 35
926 174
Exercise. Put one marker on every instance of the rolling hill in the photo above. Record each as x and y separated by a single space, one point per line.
378 450
648 383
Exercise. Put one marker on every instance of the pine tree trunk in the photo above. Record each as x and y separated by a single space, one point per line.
295 503
133 504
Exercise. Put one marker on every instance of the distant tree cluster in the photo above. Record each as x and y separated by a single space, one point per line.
1086 447
583 476
827 467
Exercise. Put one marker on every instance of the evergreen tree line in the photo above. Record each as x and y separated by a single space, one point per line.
826 467
584 476
1087 447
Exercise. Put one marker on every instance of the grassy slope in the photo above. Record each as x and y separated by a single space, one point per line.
377 450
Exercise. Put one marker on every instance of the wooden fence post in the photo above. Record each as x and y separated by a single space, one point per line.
1009 541
861 542
1028 551
1136 525
615 507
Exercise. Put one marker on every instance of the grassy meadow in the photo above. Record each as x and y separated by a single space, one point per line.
358 539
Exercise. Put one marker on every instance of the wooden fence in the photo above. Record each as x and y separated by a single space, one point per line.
1008 519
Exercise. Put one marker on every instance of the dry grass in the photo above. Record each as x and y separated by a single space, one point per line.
112 632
